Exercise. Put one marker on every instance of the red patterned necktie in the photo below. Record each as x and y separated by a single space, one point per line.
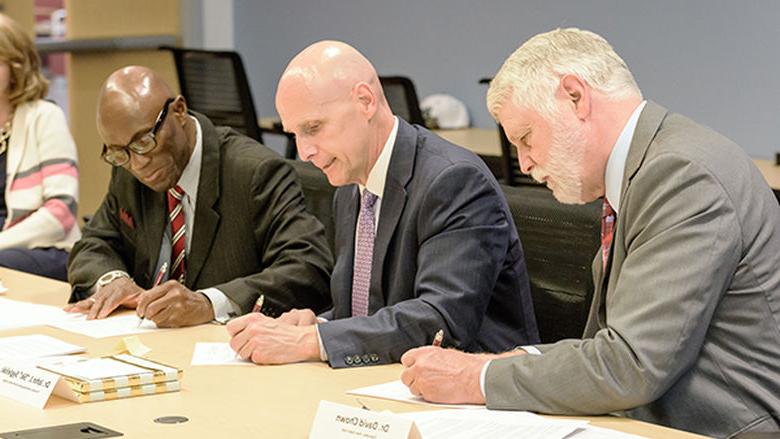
607 229
178 238
364 253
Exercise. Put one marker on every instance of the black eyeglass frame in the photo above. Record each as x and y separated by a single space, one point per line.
146 144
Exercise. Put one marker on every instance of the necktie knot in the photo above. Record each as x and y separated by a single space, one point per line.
368 200
607 210
176 192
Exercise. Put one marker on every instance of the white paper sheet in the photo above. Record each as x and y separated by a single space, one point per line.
108 327
212 354
15 314
397 391
35 346
463 424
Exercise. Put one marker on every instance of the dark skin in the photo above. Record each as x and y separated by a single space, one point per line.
128 106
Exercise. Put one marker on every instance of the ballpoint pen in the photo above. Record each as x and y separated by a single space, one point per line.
259 304
438 338
157 280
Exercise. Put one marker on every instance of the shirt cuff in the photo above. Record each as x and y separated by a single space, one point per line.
482 378
323 354
530 349
224 308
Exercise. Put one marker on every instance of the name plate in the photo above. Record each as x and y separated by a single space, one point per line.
337 421
26 383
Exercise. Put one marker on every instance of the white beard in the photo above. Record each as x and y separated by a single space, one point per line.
565 163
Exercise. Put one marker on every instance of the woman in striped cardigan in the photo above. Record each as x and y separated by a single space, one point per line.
38 168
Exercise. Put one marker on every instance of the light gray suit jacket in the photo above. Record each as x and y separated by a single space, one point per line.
685 330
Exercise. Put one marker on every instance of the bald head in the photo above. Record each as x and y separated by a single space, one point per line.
330 97
130 96
328 70
129 104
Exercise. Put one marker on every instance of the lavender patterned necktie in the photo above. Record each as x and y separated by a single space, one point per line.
364 251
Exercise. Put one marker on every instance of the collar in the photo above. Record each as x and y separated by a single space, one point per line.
191 174
616 165
378 175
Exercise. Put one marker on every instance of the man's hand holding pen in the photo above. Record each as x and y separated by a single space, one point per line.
171 305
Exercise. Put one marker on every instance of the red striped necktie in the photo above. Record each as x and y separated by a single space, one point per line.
607 229
178 233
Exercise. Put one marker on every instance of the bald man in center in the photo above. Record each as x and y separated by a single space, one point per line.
199 221
425 242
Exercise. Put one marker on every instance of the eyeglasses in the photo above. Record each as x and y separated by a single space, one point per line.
119 156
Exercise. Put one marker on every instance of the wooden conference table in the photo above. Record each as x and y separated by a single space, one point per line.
220 401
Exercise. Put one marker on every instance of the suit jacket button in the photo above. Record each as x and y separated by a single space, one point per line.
366 358
374 358
348 360
357 359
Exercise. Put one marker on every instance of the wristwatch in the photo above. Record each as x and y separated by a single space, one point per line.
110 277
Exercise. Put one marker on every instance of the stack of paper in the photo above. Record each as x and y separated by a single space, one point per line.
117 376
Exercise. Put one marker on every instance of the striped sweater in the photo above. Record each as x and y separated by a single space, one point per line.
41 192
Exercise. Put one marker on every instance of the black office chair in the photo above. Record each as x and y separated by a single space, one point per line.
402 97
215 84
559 242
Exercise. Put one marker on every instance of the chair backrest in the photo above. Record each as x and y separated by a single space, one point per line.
215 84
559 242
318 194
402 97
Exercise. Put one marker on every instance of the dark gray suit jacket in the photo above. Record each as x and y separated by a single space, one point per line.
446 256
684 329
251 235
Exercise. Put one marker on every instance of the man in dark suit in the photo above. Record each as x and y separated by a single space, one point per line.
214 211
424 238
684 328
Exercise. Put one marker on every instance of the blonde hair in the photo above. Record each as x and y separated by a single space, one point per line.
531 75
17 49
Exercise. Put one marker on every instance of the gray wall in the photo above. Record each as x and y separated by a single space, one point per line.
712 60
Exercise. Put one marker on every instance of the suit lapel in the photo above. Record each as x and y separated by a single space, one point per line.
399 173
154 214
206 211
345 239
647 126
